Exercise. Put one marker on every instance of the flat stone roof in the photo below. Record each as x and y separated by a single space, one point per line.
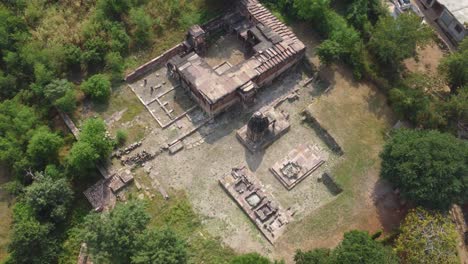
208 82
458 8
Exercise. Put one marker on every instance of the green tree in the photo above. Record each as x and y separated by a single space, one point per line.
61 94
49 198
17 125
359 247
251 258
94 52
455 67
98 87
111 236
418 107
93 145
160 247
94 132
429 167
43 146
82 157
427 237
394 40
141 26
32 243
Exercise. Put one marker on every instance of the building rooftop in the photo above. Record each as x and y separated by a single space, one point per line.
458 8
276 44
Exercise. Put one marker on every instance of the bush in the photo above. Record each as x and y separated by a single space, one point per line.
394 40
61 94
121 137
98 87
115 64
356 247
455 67
250 258
141 26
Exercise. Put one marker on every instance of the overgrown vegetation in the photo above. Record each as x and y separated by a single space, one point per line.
51 49
427 237
48 52
356 247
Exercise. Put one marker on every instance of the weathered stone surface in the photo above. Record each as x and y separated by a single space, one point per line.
297 165
261 208
278 125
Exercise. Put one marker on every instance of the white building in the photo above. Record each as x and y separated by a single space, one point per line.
452 17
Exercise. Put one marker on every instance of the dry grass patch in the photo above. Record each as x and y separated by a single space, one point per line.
357 116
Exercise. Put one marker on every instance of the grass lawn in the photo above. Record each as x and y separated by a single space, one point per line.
357 116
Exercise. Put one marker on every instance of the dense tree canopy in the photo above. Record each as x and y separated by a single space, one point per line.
427 237
429 167
43 147
49 198
356 247
111 236
17 125
121 236
32 243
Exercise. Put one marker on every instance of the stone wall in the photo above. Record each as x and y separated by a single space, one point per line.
155 63
214 25
323 133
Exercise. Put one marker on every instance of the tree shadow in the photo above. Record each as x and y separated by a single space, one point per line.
390 208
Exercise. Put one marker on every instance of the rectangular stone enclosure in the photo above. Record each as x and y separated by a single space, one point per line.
297 165
261 208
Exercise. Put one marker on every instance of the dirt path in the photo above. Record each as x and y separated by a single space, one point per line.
428 59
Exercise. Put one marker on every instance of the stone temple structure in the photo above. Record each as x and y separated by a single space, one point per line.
272 48
263 128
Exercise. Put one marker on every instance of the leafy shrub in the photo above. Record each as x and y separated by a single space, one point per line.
97 87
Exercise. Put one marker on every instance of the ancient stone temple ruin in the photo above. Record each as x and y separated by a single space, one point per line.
297 165
261 208
271 49
263 128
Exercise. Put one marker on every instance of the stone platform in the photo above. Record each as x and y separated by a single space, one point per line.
297 165
261 208
278 126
